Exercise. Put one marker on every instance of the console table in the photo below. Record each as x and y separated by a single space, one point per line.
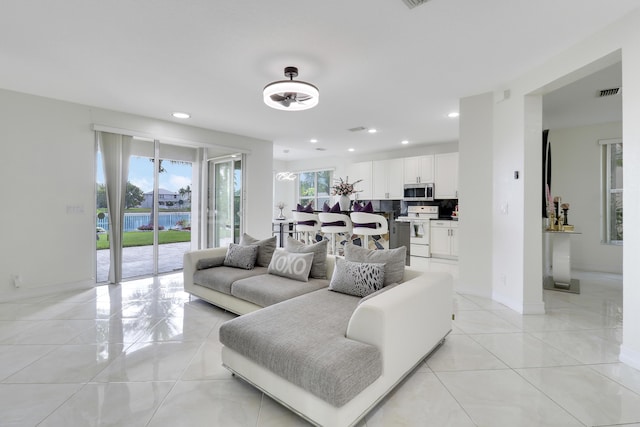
560 279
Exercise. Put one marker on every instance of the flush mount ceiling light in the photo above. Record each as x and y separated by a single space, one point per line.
291 95
453 115
180 115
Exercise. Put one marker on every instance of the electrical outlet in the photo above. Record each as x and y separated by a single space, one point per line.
17 281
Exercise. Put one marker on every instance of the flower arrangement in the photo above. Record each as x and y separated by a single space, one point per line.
344 188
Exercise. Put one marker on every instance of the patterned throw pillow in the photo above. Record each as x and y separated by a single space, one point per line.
393 259
357 278
265 248
241 256
319 250
293 266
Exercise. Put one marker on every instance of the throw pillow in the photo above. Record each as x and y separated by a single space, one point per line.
307 209
265 248
357 278
215 261
241 256
319 250
291 265
393 259
368 208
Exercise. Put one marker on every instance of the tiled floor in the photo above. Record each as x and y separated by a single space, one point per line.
144 354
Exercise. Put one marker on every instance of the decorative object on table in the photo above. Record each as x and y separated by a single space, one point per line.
344 189
281 206
565 211
556 205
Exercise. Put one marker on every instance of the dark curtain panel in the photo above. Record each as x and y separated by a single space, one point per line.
546 169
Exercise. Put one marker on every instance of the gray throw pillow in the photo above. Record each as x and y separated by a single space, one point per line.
319 250
293 266
357 278
393 259
215 261
265 248
241 256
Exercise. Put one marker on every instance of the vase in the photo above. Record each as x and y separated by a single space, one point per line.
344 202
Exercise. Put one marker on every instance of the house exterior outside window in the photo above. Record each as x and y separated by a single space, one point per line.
612 184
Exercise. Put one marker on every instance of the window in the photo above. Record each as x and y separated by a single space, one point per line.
612 184
314 187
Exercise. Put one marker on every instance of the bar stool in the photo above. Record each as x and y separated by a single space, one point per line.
307 224
334 223
368 224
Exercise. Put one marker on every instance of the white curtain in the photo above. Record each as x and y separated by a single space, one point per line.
115 156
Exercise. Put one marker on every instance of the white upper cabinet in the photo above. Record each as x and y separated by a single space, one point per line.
418 170
388 179
446 176
361 170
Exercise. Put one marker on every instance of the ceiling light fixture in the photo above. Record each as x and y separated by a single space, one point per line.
286 176
291 95
405 142
453 115
179 115
372 130
313 141
351 149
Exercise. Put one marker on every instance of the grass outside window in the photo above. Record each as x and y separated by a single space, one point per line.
145 238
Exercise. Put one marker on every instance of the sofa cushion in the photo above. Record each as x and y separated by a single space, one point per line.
215 261
319 249
220 278
291 265
303 341
241 256
265 248
393 259
357 278
267 289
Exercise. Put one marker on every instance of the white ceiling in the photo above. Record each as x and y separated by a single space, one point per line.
376 62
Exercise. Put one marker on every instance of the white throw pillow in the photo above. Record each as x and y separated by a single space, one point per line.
291 265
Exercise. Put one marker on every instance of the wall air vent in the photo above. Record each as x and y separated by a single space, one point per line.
608 92
357 129
413 3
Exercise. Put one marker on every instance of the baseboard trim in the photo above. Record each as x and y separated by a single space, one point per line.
630 357
519 306
42 291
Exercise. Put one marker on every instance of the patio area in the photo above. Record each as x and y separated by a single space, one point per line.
138 260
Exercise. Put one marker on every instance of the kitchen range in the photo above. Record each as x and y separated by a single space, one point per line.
418 218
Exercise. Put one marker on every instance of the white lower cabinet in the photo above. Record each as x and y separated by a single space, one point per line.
444 239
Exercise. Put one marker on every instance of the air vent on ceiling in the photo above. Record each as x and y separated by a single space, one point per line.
357 129
321 149
608 92
413 3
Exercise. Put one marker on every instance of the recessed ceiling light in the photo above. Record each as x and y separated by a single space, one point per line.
351 149
405 142
372 130
313 141
453 115
179 115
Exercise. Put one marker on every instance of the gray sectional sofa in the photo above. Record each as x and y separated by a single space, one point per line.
326 355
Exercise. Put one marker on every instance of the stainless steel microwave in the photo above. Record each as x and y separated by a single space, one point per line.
418 192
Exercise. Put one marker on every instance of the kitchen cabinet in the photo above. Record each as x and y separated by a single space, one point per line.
446 176
361 170
444 239
387 179
418 170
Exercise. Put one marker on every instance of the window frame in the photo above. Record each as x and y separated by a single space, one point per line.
316 196
607 192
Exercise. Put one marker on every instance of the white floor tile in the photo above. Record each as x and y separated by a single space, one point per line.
461 353
589 396
15 357
585 346
482 322
28 404
115 404
621 373
504 399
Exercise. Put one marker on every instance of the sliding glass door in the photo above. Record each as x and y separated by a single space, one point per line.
157 218
225 202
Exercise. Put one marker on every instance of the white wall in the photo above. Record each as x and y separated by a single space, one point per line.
475 223
517 251
576 176
48 166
